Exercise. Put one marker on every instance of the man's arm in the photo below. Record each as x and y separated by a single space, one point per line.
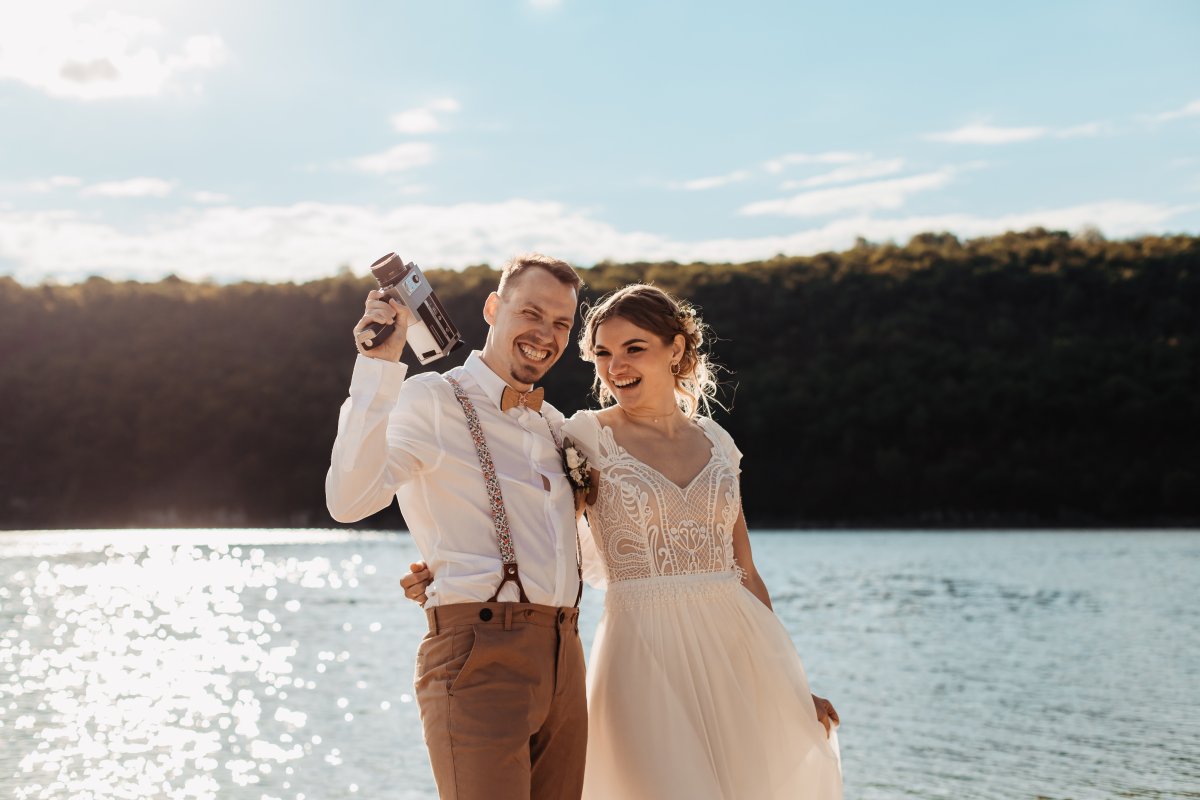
383 440
381 429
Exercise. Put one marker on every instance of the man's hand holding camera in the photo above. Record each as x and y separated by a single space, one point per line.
383 310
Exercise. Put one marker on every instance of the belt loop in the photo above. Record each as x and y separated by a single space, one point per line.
508 616
434 620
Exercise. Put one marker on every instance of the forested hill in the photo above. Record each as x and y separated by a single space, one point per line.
1025 379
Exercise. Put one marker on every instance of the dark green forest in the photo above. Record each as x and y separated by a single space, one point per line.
1029 379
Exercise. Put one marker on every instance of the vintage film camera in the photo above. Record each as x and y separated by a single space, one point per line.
431 334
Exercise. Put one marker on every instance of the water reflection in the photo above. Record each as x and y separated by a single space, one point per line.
177 670
277 665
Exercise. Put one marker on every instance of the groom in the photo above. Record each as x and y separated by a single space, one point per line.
473 458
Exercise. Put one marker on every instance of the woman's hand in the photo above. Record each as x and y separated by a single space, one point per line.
416 582
826 714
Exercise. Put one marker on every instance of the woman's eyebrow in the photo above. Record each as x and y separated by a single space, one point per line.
623 344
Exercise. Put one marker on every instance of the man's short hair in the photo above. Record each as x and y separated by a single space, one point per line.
517 265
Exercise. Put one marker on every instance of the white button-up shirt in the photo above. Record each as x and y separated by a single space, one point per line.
409 439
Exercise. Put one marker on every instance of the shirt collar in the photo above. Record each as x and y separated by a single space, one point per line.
492 384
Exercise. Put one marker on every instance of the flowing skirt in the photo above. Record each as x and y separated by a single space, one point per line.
696 692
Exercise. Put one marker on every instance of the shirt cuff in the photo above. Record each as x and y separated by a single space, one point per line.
377 377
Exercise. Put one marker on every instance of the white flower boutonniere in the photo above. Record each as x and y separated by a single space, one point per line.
576 467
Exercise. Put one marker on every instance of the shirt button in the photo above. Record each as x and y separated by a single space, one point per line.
485 614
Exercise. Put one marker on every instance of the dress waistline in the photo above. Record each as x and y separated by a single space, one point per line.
671 589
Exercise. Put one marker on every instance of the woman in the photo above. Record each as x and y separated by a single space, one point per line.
694 687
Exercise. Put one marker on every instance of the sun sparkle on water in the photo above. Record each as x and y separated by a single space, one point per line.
159 671
278 665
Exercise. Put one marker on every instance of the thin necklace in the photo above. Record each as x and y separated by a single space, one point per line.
650 417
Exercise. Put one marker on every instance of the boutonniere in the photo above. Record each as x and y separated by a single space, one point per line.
576 467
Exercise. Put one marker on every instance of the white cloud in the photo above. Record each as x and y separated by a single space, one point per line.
132 187
310 240
210 197
1115 219
545 3
777 165
1087 129
1192 109
987 134
700 184
849 174
71 49
305 240
859 197
397 159
425 118
46 185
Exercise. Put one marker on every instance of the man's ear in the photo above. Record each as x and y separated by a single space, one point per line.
489 308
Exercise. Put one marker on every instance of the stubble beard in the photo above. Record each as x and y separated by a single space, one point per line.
529 373
526 374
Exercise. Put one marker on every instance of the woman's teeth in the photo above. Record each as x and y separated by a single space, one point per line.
625 383
530 353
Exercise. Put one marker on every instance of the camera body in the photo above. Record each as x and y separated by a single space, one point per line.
431 334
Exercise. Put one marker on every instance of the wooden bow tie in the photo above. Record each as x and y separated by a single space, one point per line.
514 399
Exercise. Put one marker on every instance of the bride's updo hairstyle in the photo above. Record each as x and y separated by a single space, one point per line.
654 310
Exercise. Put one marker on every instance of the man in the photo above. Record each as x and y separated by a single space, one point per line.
500 676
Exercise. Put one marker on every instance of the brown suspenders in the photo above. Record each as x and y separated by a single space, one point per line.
510 571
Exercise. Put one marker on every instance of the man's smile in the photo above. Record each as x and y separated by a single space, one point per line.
532 353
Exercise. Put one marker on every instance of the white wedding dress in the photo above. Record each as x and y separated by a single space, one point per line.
695 690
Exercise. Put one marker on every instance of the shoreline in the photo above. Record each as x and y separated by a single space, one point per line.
1192 527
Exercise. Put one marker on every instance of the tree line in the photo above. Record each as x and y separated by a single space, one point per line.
1026 379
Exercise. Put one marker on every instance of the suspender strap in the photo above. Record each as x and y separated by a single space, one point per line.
510 571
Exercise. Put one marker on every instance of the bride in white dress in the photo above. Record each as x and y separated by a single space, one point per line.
695 690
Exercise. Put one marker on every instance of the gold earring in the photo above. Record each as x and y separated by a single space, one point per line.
675 368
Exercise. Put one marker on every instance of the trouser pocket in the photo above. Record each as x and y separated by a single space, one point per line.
443 655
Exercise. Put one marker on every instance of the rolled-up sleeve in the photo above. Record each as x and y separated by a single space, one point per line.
386 436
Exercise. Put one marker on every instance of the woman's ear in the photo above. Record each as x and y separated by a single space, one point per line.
678 347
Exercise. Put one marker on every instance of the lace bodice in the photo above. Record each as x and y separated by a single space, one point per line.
643 525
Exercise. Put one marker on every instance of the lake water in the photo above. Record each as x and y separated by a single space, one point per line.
278 663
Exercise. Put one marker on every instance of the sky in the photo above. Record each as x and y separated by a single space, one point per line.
268 140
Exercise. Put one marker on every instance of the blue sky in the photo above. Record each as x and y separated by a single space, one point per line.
281 140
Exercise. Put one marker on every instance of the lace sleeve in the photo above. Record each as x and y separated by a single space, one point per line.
725 442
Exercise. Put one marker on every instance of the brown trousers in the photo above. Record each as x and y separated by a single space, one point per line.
501 691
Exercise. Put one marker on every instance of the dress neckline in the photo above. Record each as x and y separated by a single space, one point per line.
712 454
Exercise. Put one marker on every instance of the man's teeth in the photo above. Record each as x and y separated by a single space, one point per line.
536 355
624 382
